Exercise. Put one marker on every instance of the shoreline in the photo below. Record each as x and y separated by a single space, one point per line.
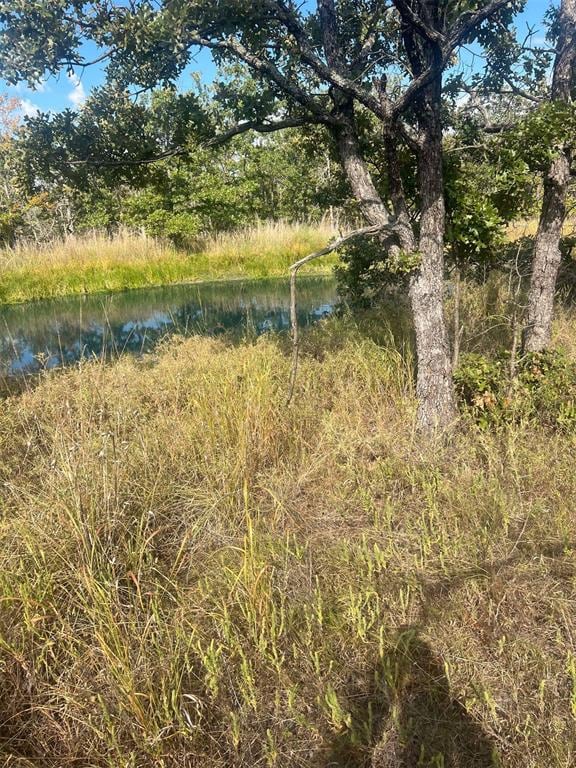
84 266
310 271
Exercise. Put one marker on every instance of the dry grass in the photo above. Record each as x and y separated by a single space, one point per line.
93 263
83 250
529 227
194 574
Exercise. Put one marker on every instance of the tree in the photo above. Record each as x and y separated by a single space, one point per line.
11 208
334 67
203 188
560 114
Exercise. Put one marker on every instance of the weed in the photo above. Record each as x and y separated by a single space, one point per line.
93 263
194 574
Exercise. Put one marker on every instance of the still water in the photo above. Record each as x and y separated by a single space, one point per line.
47 334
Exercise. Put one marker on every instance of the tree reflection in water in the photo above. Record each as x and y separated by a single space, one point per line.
47 334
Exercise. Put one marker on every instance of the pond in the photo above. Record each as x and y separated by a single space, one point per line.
47 334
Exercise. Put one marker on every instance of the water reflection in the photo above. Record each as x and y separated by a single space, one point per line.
62 331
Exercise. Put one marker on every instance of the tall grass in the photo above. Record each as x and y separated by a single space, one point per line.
529 227
194 574
94 263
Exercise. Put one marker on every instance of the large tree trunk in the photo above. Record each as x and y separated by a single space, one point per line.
434 385
546 258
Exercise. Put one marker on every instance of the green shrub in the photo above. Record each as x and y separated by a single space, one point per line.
543 388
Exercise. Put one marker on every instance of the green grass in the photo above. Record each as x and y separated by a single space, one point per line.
193 573
93 264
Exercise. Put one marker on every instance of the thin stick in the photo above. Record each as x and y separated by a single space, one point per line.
516 325
458 329
293 274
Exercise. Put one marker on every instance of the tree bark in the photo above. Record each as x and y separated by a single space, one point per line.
547 255
434 385
456 327
359 178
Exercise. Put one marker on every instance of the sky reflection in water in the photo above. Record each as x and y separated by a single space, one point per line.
58 332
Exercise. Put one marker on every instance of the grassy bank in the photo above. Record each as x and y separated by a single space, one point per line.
93 264
194 574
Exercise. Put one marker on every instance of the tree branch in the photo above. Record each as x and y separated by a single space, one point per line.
472 19
417 85
409 137
270 70
367 43
215 141
251 125
409 17
517 91
467 23
100 161
328 73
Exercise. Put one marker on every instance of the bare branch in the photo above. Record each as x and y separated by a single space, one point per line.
277 125
517 91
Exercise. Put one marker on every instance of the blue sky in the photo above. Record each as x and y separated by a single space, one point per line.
57 93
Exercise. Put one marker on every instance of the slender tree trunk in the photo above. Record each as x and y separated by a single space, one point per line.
547 256
456 328
434 385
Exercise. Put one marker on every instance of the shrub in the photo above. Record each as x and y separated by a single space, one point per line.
543 388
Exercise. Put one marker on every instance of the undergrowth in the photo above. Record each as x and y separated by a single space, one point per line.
193 573
539 386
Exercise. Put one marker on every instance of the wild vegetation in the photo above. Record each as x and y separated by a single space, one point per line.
394 83
199 567
91 263
195 574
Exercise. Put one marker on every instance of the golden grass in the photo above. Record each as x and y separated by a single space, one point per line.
529 227
194 574
93 263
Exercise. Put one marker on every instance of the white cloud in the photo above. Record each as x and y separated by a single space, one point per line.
77 95
28 108
39 87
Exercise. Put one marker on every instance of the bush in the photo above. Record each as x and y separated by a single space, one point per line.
543 388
